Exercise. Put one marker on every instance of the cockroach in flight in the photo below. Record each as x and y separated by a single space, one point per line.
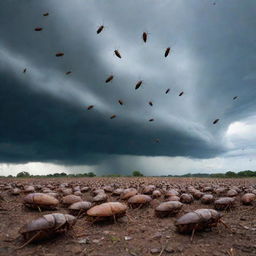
110 78
46 14
181 93
117 53
100 29
24 70
167 90
38 29
59 54
150 103
120 102
90 107
216 121
145 37
139 83
235 97
151 120
167 51
113 116
68 72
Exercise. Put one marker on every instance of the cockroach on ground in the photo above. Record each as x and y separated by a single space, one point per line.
181 93
216 121
90 107
110 78
224 203
117 53
167 209
38 29
144 37
167 51
100 29
198 220
138 84
46 226
167 91
113 116
139 201
59 54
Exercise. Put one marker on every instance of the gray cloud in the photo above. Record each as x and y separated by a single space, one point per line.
44 116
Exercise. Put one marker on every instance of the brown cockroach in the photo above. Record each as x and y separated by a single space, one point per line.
186 198
224 203
100 198
100 29
156 193
46 226
138 84
167 90
148 190
120 102
15 191
151 120
167 51
46 14
40 201
139 201
117 53
38 29
113 116
24 70
231 193
29 189
198 220
118 192
181 93
207 199
68 72
248 198
150 103
59 54
79 208
106 211
110 78
144 37
129 192
70 199
90 107
167 209
216 121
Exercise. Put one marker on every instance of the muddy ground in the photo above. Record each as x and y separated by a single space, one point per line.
140 234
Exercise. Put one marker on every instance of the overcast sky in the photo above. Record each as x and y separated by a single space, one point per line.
45 125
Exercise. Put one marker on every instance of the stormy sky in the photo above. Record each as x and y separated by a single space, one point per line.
45 125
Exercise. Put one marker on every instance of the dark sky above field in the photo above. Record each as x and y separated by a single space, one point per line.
46 127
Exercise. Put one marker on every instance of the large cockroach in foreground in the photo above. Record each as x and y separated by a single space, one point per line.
198 220
46 226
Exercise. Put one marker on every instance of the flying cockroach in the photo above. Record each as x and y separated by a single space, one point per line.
117 53
216 121
235 97
157 140
139 83
167 91
38 29
46 14
110 78
68 72
144 37
167 51
24 70
100 29
113 116
181 93
120 102
59 54
151 120
150 103
90 107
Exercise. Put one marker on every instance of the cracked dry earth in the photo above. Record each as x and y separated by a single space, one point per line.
141 233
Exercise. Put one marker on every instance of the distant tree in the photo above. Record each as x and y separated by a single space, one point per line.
22 174
137 174
91 174
230 174
10 176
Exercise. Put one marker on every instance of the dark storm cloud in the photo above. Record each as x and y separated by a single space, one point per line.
43 112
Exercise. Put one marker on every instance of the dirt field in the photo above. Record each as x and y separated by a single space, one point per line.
141 233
